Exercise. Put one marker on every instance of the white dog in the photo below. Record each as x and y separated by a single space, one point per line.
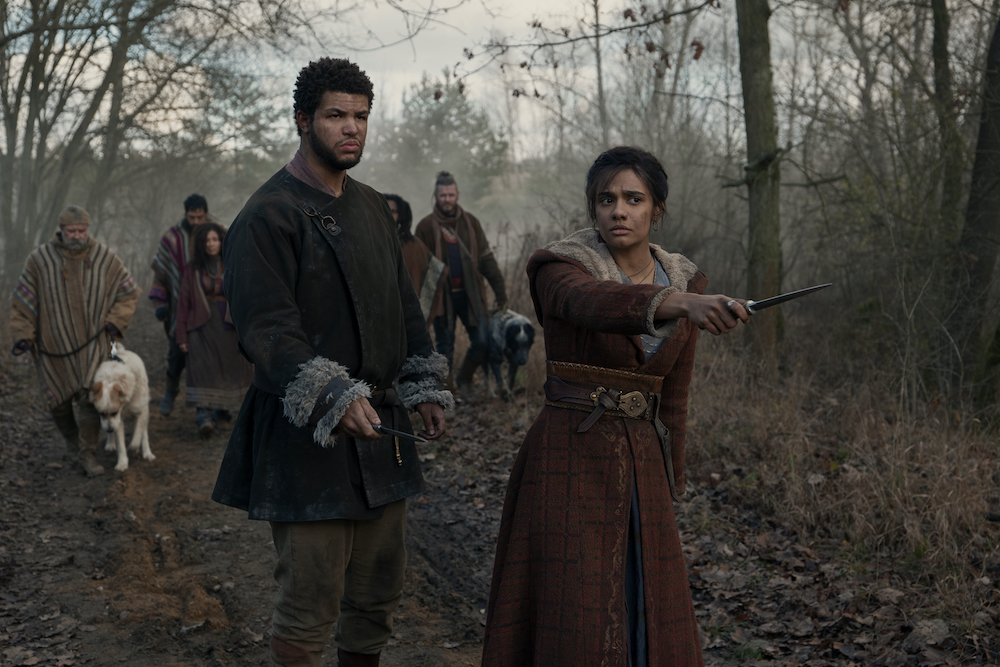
121 385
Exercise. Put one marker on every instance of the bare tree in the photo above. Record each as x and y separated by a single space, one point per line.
979 245
763 171
952 144
80 80
602 103
84 84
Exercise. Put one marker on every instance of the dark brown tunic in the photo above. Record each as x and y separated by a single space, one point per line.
558 581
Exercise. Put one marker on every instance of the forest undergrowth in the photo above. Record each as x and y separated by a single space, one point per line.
840 461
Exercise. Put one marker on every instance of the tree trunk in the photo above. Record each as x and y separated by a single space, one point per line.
951 140
763 174
980 239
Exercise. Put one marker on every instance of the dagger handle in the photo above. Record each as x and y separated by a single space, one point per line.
749 306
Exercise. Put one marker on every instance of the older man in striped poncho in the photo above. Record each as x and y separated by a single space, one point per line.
73 295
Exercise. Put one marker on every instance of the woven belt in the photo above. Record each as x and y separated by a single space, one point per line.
606 391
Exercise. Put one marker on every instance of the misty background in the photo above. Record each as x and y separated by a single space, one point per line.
865 162
854 142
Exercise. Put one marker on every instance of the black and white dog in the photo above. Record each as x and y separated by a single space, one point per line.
511 336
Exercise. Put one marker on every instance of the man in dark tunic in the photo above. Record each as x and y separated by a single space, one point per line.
325 310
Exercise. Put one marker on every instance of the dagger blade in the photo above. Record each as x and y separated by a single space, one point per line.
753 306
385 430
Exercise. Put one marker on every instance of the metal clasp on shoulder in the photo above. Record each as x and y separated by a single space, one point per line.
327 221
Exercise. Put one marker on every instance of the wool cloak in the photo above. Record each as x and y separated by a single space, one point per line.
558 581
428 274
217 373
478 261
169 264
64 298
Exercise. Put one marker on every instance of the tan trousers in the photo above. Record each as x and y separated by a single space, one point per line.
351 571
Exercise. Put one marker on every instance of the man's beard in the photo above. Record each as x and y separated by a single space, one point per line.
75 244
449 212
329 158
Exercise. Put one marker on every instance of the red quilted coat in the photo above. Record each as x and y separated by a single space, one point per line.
558 581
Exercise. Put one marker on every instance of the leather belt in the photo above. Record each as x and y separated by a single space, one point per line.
387 397
585 389
600 400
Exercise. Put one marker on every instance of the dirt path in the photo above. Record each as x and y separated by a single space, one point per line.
143 568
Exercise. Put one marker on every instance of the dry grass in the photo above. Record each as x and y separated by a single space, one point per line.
841 463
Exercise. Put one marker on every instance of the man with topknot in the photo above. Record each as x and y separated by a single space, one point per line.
456 237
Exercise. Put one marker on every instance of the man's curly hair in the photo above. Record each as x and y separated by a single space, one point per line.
338 75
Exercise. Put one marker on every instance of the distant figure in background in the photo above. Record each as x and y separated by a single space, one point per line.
217 374
427 272
458 240
171 259
73 296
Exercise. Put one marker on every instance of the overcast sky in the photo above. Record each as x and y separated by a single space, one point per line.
439 45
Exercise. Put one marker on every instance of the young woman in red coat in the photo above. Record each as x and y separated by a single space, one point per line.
589 569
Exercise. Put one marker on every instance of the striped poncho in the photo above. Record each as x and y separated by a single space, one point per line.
63 298
169 263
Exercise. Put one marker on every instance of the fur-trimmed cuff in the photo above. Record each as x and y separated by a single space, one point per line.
666 326
436 365
427 390
323 435
420 382
302 393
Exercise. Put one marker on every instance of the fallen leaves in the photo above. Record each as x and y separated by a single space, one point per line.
760 595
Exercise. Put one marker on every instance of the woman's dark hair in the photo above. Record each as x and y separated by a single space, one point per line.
336 75
199 257
615 160
405 217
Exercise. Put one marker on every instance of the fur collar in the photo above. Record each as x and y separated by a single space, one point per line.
585 246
